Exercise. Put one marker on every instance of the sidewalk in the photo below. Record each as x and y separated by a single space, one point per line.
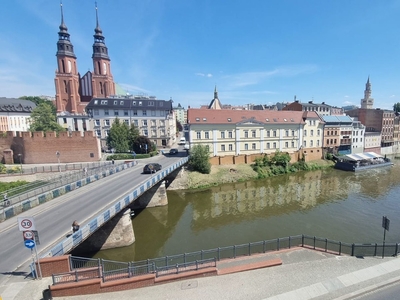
304 274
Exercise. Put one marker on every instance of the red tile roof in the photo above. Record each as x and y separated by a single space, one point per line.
227 116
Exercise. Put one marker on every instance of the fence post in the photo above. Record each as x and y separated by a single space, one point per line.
184 257
201 254
129 269
340 248
277 245
326 245
314 242
234 251
376 249
76 275
197 265
302 240
219 254
166 260
264 244
177 268
249 249
352 249
289 241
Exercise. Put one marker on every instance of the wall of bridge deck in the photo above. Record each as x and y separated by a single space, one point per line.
71 242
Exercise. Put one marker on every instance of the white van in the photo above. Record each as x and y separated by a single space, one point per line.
182 141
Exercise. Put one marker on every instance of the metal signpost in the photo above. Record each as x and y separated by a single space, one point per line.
31 238
385 225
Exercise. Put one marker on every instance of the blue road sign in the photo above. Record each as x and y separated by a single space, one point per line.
29 244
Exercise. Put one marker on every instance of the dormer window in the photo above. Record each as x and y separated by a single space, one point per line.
197 119
96 101
204 119
115 102
140 103
134 103
267 120
275 120
285 120
121 103
229 120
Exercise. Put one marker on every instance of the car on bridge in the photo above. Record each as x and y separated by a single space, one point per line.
173 151
151 168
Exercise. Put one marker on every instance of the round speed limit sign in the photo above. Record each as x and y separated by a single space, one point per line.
28 235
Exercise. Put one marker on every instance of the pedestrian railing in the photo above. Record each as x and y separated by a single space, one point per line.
175 264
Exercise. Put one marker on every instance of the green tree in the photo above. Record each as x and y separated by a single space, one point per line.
142 144
178 126
39 100
118 136
43 119
280 159
133 134
396 107
199 159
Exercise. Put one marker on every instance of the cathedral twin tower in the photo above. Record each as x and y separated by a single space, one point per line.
73 92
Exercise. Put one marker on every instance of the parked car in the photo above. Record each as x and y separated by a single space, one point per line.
173 151
187 146
151 168
182 141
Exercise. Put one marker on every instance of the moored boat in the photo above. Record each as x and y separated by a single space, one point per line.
362 161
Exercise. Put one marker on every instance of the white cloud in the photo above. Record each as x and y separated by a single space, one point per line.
133 89
251 78
209 75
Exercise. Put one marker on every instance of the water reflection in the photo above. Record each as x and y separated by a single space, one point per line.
334 204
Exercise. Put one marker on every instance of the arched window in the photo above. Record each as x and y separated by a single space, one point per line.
99 68
63 66
101 88
65 86
104 68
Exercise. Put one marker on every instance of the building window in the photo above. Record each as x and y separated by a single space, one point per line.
312 132
144 122
106 122
268 146
135 112
292 144
222 147
144 113
317 143
162 123
286 144
246 134
274 134
153 113
311 143
95 112
222 134
230 147
145 132
153 123
106 113
107 132
246 146
136 122
274 145
305 132
115 112
253 146
292 132
126 122
318 132
305 144
98 133
96 122
253 133
198 135
230 134
206 135
287 132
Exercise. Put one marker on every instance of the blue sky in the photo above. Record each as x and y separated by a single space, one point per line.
254 51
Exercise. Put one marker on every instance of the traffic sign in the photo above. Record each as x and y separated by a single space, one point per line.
28 235
29 244
26 223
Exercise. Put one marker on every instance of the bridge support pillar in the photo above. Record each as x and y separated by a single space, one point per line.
118 232
156 196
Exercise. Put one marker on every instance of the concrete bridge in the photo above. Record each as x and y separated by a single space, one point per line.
149 193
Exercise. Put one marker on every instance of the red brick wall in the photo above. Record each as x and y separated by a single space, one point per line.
37 148
54 265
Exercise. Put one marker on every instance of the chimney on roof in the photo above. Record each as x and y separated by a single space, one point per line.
310 102
323 102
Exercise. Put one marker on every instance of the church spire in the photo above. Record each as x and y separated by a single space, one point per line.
64 45
215 92
99 47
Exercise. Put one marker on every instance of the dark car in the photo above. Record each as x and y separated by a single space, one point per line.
151 168
173 151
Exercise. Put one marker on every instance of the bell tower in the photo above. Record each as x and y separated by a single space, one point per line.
367 102
102 79
67 77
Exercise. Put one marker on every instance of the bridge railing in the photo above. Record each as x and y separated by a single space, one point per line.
112 270
86 230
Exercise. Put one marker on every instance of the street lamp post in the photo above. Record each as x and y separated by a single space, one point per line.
20 162
58 158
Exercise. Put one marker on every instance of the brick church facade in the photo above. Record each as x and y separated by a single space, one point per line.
74 91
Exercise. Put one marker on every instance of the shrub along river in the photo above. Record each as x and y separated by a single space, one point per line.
332 204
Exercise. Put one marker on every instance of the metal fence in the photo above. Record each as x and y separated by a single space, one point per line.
31 190
174 264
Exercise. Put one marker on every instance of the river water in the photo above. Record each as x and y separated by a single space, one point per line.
332 204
